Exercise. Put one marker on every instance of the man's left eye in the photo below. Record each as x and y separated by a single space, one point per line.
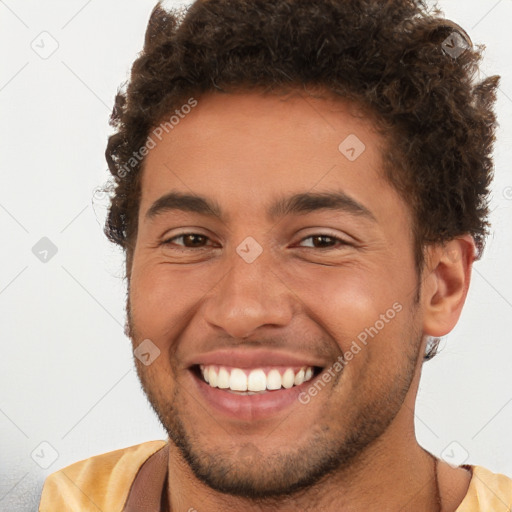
325 241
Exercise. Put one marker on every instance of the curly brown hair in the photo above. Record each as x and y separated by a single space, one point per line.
392 58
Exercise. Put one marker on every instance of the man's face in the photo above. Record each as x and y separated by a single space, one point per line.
325 278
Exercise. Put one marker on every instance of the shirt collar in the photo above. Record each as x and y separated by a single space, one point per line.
148 492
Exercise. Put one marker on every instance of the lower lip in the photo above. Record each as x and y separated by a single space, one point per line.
249 407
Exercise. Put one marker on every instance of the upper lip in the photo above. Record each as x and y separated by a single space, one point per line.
254 358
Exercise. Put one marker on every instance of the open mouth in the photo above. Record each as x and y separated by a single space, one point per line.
250 381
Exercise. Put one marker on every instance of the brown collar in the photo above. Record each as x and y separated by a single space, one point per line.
148 492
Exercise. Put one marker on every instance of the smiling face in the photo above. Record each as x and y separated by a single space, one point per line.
265 253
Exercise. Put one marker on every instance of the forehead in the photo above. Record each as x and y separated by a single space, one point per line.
246 148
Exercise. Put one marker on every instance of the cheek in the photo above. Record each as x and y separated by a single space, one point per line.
366 311
346 300
163 296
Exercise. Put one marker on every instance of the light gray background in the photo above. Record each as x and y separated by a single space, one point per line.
66 368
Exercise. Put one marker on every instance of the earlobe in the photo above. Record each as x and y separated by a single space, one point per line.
447 284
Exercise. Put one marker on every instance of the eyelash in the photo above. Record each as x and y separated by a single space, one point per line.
341 242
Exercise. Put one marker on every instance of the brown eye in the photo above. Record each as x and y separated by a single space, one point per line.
323 241
190 240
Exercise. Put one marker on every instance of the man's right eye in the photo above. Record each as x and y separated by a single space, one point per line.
190 240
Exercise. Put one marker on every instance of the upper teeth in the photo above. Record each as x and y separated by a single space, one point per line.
237 379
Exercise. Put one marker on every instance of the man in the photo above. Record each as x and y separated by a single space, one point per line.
301 191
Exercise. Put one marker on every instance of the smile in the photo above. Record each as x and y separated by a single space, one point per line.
257 380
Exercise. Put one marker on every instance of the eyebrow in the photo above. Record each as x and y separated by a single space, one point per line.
296 204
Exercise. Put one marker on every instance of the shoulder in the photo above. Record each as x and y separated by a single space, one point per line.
487 491
101 482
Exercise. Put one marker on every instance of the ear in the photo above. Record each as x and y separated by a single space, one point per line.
446 284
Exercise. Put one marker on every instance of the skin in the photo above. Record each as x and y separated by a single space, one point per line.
353 446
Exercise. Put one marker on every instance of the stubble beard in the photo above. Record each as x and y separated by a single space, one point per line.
250 472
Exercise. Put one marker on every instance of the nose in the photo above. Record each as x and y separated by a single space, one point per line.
249 296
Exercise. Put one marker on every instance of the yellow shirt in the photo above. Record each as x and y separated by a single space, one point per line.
133 480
